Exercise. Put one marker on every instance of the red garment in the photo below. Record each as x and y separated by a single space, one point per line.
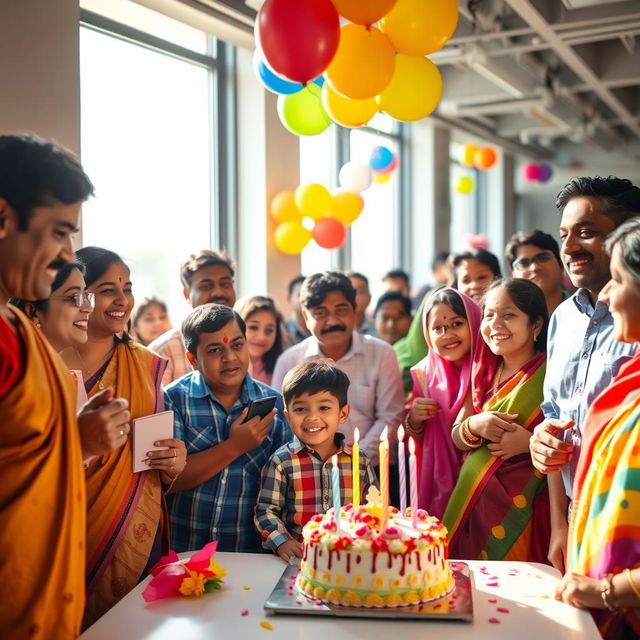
12 362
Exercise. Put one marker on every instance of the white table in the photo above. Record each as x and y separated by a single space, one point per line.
524 589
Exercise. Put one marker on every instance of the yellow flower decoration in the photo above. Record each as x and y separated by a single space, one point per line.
193 585
220 572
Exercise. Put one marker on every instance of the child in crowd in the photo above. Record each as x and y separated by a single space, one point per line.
264 335
296 483
216 493
150 320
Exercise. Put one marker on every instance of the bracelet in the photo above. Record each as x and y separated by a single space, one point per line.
631 583
468 439
606 592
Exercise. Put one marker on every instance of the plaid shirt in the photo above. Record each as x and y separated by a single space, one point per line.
222 507
170 346
296 484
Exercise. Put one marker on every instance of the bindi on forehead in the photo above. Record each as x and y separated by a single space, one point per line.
225 338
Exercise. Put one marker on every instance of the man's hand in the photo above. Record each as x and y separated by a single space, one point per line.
491 425
511 444
558 545
290 549
580 591
249 435
103 423
422 409
548 453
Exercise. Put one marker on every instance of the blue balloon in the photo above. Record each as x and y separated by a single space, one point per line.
319 81
545 172
380 159
272 81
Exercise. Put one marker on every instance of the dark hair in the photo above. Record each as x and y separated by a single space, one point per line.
357 274
246 307
97 261
313 377
61 277
394 296
482 256
294 283
440 258
143 305
537 238
393 274
316 287
627 235
450 298
208 318
36 173
202 259
528 297
620 198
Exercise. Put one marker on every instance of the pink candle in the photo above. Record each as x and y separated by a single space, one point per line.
402 471
384 476
413 482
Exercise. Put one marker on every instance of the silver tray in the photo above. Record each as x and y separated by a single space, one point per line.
456 605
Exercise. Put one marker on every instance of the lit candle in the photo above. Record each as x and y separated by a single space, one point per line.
384 476
402 470
413 482
335 482
355 456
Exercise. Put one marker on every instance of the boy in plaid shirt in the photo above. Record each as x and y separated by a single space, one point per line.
296 482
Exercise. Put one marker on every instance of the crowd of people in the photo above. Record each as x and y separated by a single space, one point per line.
522 393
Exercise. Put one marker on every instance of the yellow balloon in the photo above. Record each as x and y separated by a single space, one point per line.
381 178
414 90
283 208
313 200
346 111
363 11
468 155
347 206
465 185
363 64
420 27
291 237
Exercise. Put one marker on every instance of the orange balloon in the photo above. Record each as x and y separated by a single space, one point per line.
468 155
485 158
363 11
347 111
283 208
420 27
363 64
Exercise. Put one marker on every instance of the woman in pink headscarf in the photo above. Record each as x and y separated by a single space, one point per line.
441 387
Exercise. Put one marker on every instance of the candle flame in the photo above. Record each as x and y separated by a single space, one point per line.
334 459
400 433
412 447
383 436
356 435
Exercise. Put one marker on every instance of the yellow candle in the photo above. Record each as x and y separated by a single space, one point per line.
355 456
384 476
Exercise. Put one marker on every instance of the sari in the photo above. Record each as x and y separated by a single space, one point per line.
125 510
499 509
439 460
604 532
42 498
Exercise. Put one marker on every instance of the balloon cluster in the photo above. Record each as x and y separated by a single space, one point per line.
482 158
368 68
537 172
382 164
313 212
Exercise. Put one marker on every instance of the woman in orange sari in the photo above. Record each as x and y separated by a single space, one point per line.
127 528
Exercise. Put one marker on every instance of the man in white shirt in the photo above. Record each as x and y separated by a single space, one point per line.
375 394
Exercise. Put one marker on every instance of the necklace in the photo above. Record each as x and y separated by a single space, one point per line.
496 384
86 371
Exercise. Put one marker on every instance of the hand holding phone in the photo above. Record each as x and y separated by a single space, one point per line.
247 433
260 407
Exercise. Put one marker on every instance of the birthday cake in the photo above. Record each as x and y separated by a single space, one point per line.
359 562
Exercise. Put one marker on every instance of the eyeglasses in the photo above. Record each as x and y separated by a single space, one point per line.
322 313
78 299
539 258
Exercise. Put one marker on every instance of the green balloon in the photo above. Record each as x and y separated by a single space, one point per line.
465 185
302 113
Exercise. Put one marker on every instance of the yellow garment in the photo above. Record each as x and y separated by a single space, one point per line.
42 499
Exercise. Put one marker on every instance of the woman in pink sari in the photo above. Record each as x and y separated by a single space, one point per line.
441 386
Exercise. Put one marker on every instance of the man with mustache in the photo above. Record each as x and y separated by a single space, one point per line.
375 393
206 276
583 354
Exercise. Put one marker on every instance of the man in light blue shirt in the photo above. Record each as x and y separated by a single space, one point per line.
583 355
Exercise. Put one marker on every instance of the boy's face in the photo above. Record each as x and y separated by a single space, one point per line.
222 357
315 418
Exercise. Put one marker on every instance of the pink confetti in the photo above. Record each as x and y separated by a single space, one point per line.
502 610
492 600
493 578
245 612
494 621
290 593
299 602
317 602
492 584
437 606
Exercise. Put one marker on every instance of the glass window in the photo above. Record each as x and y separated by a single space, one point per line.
146 143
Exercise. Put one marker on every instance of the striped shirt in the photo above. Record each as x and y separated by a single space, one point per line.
170 346
222 507
296 484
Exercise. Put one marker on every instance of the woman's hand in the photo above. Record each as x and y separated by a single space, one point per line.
491 425
511 444
169 461
422 409
558 545
580 591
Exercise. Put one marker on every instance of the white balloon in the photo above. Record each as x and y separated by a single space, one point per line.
355 177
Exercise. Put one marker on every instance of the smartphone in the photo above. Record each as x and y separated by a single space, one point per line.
260 407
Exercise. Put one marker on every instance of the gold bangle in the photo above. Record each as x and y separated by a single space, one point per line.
631 583
468 439
606 592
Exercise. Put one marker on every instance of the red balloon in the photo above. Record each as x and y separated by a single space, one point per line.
329 233
531 172
298 38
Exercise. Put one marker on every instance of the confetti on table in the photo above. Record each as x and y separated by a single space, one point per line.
492 584
502 610
299 601
266 625
437 606
546 595
245 612
494 621
492 600
317 602
247 587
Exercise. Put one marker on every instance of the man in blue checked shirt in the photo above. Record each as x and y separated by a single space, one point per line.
214 497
